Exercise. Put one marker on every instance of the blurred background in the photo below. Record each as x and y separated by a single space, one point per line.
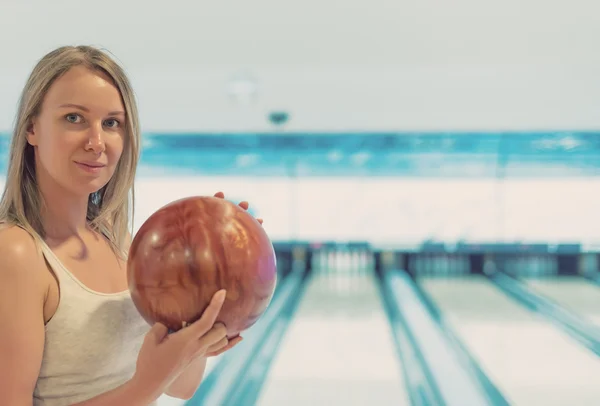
428 173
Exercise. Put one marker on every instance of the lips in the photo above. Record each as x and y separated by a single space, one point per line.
92 164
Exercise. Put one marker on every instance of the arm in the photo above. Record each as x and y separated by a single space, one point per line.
22 293
188 382
24 283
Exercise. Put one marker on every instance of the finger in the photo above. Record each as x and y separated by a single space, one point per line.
209 316
212 338
260 220
157 333
235 341
232 343
217 333
244 205
222 343
220 195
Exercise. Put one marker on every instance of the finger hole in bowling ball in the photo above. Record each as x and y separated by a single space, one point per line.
172 330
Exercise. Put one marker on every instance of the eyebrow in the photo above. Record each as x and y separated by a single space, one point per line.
83 108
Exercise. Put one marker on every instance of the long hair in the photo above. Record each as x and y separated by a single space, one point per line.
110 209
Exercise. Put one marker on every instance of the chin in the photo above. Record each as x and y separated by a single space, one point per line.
87 189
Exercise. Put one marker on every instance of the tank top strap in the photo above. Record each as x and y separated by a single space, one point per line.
67 281
60 271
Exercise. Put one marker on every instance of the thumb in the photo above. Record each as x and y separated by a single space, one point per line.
158 332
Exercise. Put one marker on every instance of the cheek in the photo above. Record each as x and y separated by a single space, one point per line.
114 149
50 146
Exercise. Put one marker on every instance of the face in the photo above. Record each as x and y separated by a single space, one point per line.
79 134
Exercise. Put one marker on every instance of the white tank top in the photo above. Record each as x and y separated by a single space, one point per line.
92 342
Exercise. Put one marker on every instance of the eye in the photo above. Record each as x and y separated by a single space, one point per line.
73 118
112 123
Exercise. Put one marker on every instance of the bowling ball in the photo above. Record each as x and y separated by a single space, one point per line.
191 248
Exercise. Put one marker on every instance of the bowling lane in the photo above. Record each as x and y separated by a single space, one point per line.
576 294
530 360
339 349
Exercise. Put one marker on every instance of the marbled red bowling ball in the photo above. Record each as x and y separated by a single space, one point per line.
189 249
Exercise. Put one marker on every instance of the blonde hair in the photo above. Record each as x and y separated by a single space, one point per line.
111 208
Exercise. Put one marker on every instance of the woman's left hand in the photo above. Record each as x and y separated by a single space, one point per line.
244 205
218 350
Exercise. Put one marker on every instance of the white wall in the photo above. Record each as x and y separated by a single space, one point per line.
400 211
336 65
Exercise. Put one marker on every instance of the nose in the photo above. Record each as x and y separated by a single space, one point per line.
95 141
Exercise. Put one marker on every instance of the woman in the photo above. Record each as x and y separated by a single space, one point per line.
70 332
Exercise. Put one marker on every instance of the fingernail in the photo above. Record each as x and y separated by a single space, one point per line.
222 295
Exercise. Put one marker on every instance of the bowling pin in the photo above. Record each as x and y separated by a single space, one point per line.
444 265
347 261
370 265
412 265
338 269
456 265
429 264
321 260
466 265
521 266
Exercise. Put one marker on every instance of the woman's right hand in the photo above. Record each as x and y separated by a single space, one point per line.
164 356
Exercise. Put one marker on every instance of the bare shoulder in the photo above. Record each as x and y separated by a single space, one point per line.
16 243
20 255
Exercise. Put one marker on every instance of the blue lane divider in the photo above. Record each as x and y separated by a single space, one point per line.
217 386
454 382
419 383
494 394
248 388
584 332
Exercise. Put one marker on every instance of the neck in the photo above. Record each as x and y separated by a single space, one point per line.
63 214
